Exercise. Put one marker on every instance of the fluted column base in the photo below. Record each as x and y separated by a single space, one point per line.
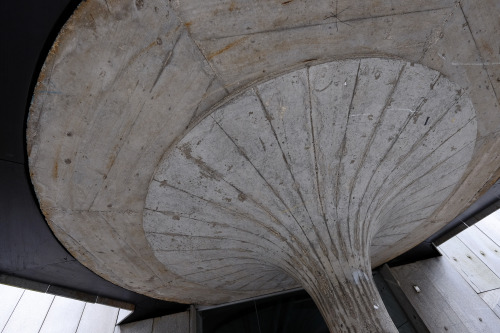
351 303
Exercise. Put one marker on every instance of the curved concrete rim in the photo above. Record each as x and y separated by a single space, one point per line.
126 80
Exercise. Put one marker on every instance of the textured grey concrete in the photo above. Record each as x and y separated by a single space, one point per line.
297 176
127 81
175 323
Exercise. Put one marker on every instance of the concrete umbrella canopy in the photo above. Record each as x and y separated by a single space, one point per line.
209 151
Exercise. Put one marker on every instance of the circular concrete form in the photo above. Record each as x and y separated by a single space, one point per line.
211 151
315 165
307 175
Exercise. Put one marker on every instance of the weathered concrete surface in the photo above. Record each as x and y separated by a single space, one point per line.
126 80
298 176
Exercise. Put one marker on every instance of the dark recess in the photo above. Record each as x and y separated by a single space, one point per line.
28 248
293 312
29 251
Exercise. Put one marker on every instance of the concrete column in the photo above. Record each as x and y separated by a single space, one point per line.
350 304
206 153
295 177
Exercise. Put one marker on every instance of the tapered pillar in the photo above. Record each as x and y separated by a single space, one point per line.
350 302
206 152
304 176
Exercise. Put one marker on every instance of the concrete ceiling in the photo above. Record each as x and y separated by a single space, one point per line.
304 140
335 157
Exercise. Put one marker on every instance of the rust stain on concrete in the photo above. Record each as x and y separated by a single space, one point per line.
225 48
233 7
487 47
54 170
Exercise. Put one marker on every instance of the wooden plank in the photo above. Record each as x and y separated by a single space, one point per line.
9 296
64 316
30 312
429 303
490 226
470 267
98 318
462 299
447 293
492 298
483 247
